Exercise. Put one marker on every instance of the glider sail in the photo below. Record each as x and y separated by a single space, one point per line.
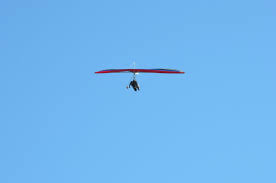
165 71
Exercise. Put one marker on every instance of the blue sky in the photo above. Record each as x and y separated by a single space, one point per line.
62 123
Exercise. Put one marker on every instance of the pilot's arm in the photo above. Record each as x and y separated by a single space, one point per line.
130 84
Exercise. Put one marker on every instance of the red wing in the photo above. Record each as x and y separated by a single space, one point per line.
166 71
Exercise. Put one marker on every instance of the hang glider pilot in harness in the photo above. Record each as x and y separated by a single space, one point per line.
134 85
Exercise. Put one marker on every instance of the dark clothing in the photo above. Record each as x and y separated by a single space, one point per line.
134 85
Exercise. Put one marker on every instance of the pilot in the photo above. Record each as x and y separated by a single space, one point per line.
134 85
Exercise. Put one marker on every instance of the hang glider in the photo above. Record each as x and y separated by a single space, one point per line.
134 83
165 71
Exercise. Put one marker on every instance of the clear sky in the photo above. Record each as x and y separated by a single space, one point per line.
60 122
